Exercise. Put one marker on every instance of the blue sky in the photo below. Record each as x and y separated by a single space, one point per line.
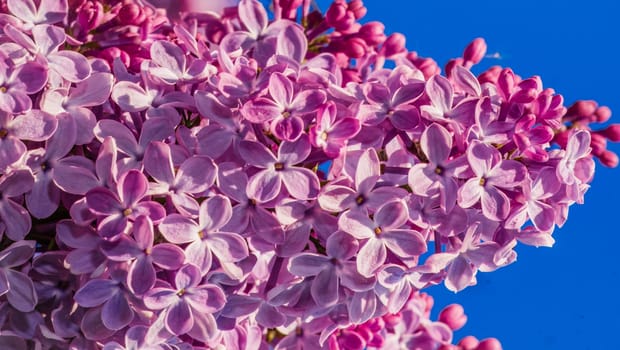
564 297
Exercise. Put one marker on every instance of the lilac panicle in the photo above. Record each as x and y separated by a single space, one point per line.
211 175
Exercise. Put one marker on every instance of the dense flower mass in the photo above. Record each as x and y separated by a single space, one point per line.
205 175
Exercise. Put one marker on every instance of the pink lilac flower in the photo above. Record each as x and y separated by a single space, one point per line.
493 174
384 232
265 185
16 83
333 271
285 107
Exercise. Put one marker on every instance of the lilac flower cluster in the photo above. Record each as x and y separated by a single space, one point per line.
184 175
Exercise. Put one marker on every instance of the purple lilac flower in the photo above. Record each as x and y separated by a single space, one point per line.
16 83
331 133
117 209
193 177
15 220
188 306
333 271
34 125
142 255
16 285
205 238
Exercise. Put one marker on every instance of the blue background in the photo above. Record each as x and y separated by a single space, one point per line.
565 297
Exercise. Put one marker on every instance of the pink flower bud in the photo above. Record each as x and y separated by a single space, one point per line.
111 53
289 8
358 8
598 143
451 64
131 14
611 132
89 16
582 109
602 114
489 344
372 33
491 75
453 316
336 13
609 159
394 44
355 47
475 51
469 343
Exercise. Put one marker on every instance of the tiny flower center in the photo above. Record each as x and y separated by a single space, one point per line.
202 234
278 166
127 212
3 133
286 114
360 199
181 292
299 332
483 181
324 136
148 251
439 170
2 89
378 230
390 111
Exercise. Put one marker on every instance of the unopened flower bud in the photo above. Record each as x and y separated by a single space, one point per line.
372 33
609 159
489 344
336 13
451 64
355 48
89 16
394 44
453 316
131 14
475 51
602 114
111 53
582 109
468 343
611 132
598 143
357 8
289 8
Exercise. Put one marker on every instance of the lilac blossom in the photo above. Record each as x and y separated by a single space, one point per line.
143 255
16 285
16 221
436 176
332 271
492 175
384 232
534 206
265 185
194 176
44 45
34 125
117 209
188 307
285 107
48 11
331 133
75 101
16 83
205 238
365 194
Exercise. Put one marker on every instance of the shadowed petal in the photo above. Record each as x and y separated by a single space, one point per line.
21 294
228 247
167 256
214 213
324 288
116 312
179 318
96 292
301 183
141 276
178 229
264 185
